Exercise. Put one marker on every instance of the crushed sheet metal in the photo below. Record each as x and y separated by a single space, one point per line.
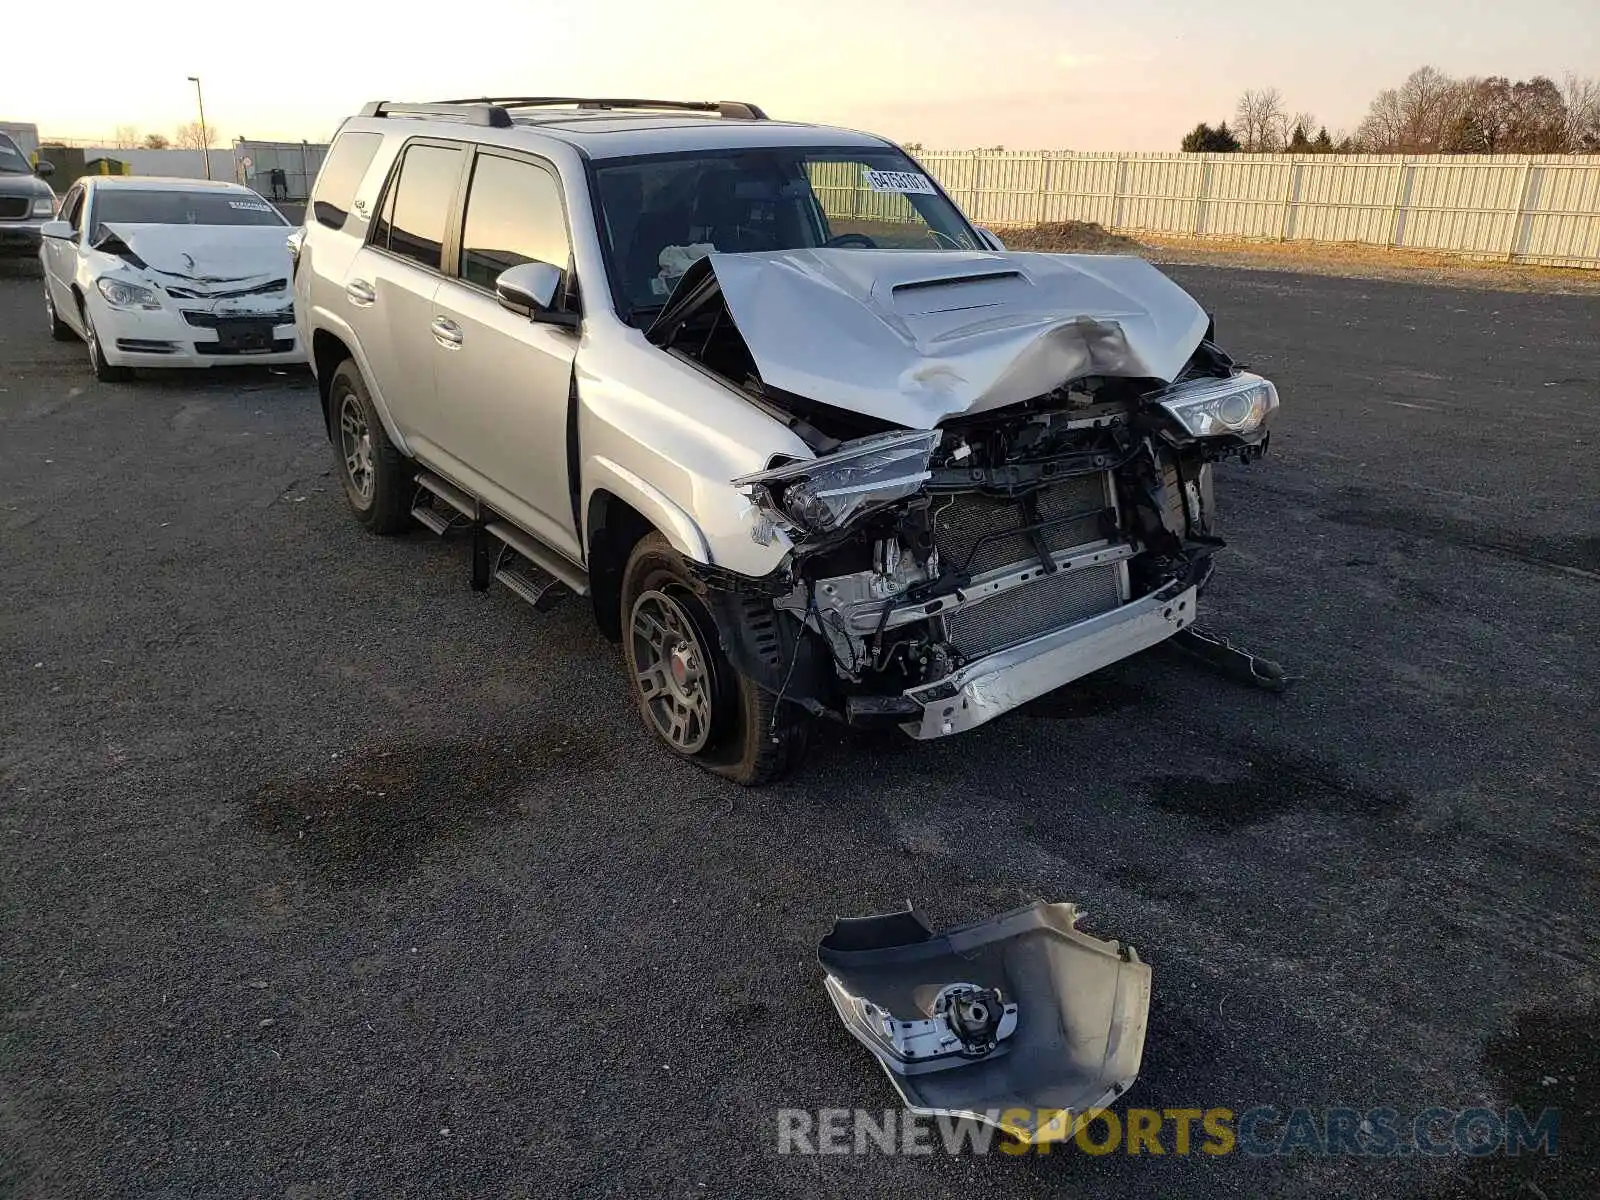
1082 1004
209 253
912 337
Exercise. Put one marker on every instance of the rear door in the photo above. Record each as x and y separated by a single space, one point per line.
504 380
390 286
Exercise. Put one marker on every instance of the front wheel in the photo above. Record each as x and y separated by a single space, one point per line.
59 329
688 693
103 370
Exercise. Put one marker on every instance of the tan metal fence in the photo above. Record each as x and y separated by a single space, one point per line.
1541 209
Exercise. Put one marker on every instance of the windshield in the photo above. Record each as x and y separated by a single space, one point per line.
141 207
12 160
659 214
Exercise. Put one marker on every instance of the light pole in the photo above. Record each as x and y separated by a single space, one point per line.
205 138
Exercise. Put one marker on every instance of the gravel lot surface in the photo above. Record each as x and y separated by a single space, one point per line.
324 876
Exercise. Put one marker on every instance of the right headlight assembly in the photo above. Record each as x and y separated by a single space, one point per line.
820 495
1239 404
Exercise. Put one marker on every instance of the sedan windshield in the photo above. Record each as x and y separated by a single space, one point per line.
12 160
660 213
141 206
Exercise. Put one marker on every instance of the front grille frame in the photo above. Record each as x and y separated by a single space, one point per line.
15 208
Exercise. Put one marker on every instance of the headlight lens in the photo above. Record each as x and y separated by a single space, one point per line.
1214 407
821 495
44 206
119 293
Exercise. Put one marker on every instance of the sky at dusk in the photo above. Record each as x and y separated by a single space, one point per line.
1026 74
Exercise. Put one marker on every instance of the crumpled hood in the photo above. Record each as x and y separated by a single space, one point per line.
209 253
913 337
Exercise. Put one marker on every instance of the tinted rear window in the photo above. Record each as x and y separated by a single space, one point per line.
341 174
417 207
183 208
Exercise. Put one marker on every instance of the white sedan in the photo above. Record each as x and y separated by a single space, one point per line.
169 273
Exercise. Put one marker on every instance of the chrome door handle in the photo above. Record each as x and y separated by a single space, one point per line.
447 333
360 293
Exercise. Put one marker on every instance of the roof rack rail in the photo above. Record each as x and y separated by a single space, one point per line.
741 110
470 112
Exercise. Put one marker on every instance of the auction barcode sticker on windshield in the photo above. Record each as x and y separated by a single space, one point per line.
250 205
899 181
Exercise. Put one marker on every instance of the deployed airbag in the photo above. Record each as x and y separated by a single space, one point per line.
1021 1021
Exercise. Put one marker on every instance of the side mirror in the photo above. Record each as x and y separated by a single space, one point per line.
44 168
57 229
529 289
991 239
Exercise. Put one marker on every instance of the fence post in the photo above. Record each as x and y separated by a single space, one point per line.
1291 191
1522 207
1201 193
1401 169
1116 201
1046 180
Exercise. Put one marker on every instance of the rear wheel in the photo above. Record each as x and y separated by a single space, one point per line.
687 692
377 477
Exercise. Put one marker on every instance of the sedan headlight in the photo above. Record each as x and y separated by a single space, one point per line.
822 494
44 206
1213 407
119 293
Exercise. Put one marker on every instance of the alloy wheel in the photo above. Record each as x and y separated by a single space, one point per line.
355 441
672 670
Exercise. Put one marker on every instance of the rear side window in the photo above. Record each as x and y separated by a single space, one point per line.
416 210
514 216
341 175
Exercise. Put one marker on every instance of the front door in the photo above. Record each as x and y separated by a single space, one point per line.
503 382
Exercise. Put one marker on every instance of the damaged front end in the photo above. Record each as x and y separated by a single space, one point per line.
963 542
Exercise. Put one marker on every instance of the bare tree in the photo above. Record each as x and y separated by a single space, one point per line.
1582 132
126 137
191 136
1417 117
155 141
1259 121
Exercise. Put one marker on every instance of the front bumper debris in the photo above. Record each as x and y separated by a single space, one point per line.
1022 1021
983 690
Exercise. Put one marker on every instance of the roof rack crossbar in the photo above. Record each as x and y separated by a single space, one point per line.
470 112
728 109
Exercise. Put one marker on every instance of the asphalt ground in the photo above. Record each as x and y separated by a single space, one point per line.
324 876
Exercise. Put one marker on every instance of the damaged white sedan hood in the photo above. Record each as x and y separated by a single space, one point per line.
913 337
209 253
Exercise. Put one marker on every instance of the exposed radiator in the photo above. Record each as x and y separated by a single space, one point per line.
1050 602
968 518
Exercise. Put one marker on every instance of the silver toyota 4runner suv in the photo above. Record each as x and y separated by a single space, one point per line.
812 443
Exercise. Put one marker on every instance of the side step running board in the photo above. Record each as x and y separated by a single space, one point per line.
573 576
426 514
500 551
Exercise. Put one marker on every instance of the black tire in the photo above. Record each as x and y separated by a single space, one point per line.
741 740
103 370
378 480
59 329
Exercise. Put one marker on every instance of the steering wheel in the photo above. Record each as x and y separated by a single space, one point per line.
841 240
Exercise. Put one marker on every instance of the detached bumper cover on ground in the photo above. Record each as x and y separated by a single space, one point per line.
1021 1021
